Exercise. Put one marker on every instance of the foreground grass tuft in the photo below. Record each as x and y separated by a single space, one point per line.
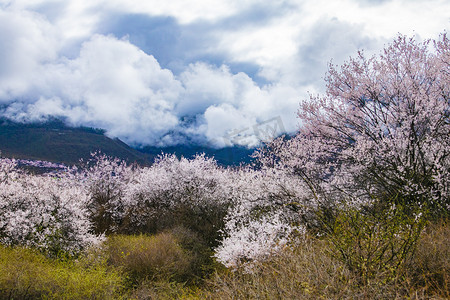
429 269
28 274
145 257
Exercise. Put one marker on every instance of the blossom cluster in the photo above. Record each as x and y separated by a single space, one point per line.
43 212
40 164
170 183
255 241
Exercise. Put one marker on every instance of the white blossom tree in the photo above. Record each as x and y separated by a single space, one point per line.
193 193
43 212
105 180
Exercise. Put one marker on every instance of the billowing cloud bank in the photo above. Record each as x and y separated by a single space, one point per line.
161 74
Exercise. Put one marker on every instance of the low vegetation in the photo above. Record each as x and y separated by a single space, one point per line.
313 270
28 274
142 267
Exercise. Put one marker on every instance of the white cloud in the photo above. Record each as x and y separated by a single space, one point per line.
55 62
337 29
232 102
27 42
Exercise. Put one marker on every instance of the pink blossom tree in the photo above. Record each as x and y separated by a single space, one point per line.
381 130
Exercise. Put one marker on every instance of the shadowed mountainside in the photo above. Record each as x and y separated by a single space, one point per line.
53 141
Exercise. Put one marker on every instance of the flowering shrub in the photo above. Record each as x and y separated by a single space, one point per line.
254 241
43 212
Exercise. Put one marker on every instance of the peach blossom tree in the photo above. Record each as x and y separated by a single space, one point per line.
381 130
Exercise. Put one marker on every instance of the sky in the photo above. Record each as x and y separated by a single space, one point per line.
172 72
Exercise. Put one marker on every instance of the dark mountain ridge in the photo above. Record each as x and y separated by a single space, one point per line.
53 141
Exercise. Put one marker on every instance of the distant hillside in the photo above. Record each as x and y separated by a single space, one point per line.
53 141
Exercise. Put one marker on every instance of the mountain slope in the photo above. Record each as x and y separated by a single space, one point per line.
55 142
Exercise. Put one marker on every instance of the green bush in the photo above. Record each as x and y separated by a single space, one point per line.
203 263
374 242
28 274
151 258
